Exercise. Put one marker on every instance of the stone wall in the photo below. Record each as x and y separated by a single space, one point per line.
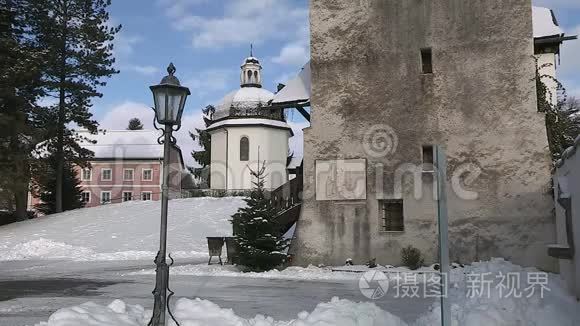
479 104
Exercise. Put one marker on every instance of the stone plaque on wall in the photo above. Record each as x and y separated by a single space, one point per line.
341 179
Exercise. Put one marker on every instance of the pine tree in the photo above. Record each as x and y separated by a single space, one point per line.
78 57
20 87
46 188
203 139
135 124
256 231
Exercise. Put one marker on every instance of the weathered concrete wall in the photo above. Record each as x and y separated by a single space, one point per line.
479 103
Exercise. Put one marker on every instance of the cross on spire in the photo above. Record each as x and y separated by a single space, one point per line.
251 50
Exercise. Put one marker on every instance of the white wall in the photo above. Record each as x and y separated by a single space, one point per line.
569 170
269 145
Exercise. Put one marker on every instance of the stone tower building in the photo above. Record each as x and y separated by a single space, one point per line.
391 79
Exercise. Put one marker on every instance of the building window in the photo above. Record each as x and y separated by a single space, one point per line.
127 195
86 197
427 154
146 195
128 174
106 174
427 61
244 149
147 175
392 215
86 175
105 197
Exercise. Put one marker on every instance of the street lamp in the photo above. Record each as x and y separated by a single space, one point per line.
169 98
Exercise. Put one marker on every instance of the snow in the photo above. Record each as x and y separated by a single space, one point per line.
297 90
250 121
556 307
543 21
200 312
126 231
243 98
124 144
290 273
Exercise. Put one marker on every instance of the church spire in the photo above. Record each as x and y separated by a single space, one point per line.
251 75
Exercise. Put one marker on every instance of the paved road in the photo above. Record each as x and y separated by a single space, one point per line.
32 290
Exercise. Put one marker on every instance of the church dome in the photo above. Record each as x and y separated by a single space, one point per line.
243 101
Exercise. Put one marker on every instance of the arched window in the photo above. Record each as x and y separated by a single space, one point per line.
244 149
249 75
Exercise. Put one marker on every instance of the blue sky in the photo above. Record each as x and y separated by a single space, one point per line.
207 41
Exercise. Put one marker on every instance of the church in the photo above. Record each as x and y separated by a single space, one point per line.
246 132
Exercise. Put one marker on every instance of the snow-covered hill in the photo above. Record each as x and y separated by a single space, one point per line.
120 231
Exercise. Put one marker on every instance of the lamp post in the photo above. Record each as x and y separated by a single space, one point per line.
169 98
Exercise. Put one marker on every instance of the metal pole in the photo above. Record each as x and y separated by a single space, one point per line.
441 162
162 269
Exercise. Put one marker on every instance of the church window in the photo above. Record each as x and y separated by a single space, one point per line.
392 215
427 61
244 149
249 74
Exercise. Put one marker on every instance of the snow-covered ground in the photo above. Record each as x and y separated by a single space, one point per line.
493 306
125 231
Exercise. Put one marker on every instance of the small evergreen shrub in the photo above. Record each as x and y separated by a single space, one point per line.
412 257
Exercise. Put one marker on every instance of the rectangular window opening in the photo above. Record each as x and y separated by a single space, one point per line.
427 60
127 196
86 197
147 175
128 174
105 197
146 195
86 175
392 214
106 174
428 160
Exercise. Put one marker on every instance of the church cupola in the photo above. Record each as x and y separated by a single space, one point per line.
250 75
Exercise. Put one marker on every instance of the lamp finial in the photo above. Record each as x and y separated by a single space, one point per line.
171 69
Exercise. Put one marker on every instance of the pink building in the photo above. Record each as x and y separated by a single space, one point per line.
127 165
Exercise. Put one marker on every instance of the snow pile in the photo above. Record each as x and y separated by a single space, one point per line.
205 313
290 273
557 307
126 231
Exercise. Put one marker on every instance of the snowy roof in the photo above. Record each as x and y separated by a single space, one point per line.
243 98
545 23
124 144
297 90
250 122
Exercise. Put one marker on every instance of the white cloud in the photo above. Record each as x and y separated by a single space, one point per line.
118 117
210 80
146 70
293 54
242 22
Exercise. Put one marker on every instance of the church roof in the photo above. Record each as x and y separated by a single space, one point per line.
251 122
244 98
545 23
296 91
